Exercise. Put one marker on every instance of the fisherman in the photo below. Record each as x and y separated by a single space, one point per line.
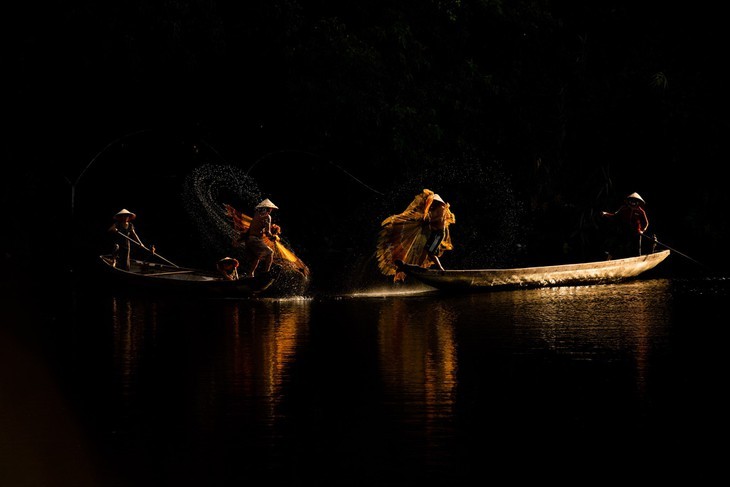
436 216
124 233
257 250
228 266
632 222
425 225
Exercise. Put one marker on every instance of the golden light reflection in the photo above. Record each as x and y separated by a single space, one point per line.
240 352
418 357
587 322
263 339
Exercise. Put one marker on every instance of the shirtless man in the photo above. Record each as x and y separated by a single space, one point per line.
256 248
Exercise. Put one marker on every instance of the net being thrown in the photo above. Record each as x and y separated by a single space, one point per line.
403 237
283 256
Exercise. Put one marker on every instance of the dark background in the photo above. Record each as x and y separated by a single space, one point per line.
529 117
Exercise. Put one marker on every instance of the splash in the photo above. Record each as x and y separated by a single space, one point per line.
206 192
392 291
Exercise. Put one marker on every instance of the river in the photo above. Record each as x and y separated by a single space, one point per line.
383 388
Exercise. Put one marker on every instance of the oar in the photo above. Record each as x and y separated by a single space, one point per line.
148 250
654 240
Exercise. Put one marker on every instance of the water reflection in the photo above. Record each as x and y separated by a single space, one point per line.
627 321
232 356
262 340
411 388
417 353
131 319
615 323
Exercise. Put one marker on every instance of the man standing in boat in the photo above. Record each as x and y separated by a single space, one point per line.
632 223
436 216
257 250
124 233
418 236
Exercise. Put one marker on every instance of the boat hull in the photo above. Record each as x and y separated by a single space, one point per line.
530 277
144 275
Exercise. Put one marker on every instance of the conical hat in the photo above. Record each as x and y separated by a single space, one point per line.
635 196
124 212
436 197
267 204
228 261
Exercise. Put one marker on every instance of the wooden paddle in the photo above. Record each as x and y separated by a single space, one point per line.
654 240
153 252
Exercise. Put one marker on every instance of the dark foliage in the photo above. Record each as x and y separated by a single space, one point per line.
572 104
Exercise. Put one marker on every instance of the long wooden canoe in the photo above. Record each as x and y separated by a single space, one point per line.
606 271
162 277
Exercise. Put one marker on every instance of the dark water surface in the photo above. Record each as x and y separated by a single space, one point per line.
587 384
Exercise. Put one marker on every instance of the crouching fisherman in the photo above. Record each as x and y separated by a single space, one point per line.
228 266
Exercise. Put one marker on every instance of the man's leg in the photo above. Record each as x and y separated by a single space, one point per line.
436 261
269 259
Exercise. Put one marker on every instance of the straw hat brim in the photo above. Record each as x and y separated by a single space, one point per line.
267 204
125 212
228 260
637 197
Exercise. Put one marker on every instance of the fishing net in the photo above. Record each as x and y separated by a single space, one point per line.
403 237
283 256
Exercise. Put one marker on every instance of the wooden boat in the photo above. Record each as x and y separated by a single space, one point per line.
150 275
601 272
